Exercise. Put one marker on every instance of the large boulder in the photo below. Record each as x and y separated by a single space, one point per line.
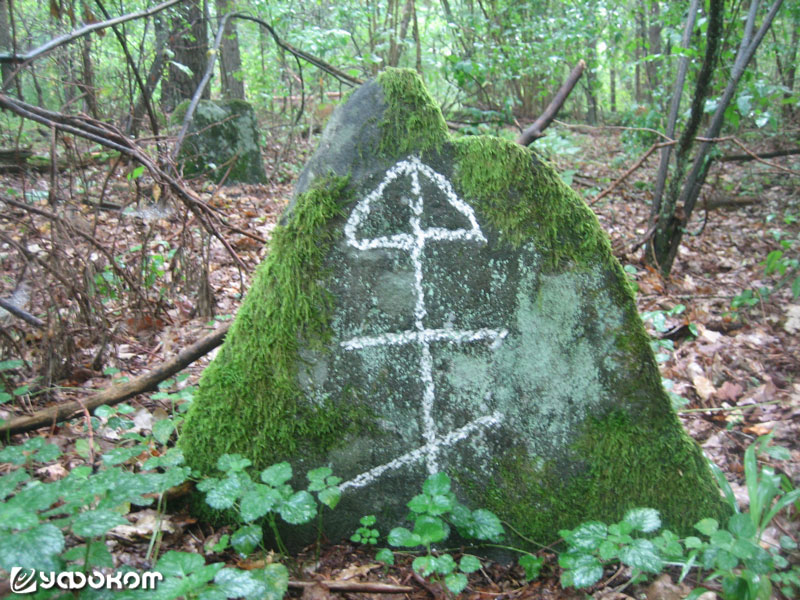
222 141
437 304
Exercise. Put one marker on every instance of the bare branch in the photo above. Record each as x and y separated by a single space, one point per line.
534 132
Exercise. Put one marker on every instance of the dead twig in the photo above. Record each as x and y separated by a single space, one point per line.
627 173
358 587
117 393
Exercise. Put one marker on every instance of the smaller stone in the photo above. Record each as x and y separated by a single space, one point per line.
222 141
792 324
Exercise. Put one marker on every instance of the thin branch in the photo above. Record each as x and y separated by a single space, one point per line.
19 313
83 31
117 393
534 132
751 156
359 587
627 173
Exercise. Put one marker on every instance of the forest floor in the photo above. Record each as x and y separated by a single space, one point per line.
734 372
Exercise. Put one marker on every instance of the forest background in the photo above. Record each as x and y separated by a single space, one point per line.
681 133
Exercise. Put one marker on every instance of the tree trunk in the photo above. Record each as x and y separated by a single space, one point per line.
86 84
6 43
153 77
189 44
654 43
230 65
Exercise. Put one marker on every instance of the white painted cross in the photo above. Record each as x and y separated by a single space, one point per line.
414 243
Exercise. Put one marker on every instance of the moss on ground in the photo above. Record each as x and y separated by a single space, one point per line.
248 390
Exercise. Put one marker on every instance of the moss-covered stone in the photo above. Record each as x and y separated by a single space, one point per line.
222 141
431 303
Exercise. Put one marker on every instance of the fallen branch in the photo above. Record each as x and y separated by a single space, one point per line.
357 587
21 314
534 132
117 393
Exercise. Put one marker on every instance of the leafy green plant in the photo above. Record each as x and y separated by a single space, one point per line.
366 534
272 498
592 545
433 511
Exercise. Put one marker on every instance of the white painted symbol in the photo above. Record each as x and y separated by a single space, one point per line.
414 243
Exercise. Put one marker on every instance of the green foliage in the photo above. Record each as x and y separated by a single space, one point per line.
433 512
366 534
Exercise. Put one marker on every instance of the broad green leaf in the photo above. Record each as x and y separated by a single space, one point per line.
330 497
455 582
486 525
299 508
35 548
120 455
645 520
229 462
707 526
439 483
430 529
224 494
470 564
239 584
641 554
721 538
99 556
162 430
275 578
319 474
587 536
277 474
258 501
246 539
385 555
403 538
9 483
586 571
741 525
608 550
444 564
424 565
420 504
725 560
94 523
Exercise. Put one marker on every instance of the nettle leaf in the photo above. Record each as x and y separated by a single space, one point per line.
277 474
246 539
258 501
608 550
645 520
99 556
403 538
587 536
17 515
641 554
120 455
470 564
456 582
330 497
440 504
430 529
35 548
230 462
485 525
180 564
385 555
439 483
94 523
299 508
318 476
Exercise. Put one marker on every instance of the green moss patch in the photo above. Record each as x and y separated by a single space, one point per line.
249 400
619 465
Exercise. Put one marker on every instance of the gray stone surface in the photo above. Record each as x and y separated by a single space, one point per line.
223 138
